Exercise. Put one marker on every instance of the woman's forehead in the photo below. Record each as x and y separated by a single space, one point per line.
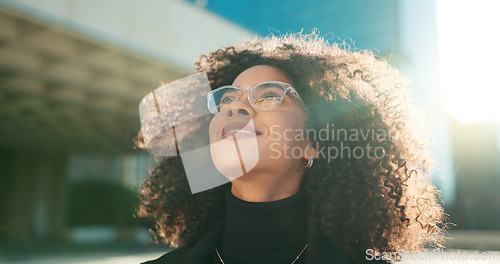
260 73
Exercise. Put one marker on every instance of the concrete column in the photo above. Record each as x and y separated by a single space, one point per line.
37 196
20 223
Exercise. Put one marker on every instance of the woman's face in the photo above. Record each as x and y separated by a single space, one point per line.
277 150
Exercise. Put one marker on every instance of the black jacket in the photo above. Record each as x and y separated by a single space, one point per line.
319 251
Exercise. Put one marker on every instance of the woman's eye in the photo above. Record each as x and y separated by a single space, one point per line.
226 100
270 95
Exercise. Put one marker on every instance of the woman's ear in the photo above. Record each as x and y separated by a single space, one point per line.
310 151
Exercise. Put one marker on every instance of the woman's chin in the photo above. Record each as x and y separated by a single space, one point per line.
230 167
226 157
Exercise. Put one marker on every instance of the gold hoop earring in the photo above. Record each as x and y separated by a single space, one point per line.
309 163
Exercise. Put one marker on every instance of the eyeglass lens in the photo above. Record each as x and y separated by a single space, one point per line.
262 97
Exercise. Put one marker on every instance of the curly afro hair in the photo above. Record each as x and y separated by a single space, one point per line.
383 203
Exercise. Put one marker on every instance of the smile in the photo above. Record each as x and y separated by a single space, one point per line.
240 128
234 131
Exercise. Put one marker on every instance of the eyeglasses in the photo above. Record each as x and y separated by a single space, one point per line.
263 96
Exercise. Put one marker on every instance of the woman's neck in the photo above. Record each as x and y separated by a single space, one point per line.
263 193
261 189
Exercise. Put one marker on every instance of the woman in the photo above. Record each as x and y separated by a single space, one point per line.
352 196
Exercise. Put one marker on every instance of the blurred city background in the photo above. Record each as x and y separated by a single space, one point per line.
72 73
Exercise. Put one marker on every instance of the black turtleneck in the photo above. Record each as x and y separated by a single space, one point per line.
264 232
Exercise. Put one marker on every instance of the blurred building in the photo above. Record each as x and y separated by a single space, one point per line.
72 74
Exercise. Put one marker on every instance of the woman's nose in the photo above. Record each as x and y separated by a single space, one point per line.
241 106
230 112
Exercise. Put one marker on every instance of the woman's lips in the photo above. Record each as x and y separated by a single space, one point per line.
242 128
242 132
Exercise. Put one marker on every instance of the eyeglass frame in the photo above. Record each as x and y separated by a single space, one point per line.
288 87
